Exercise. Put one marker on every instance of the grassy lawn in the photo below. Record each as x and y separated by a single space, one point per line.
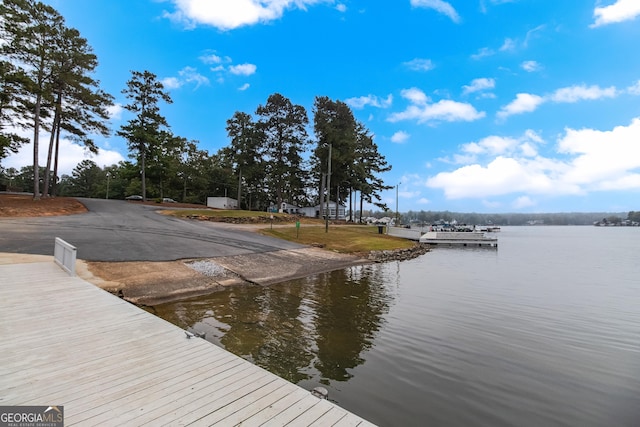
340 238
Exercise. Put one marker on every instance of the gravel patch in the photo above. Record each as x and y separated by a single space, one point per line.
208 268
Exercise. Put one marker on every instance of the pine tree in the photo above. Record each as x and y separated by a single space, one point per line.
11 93
244 154
31 30
80 107
335 126
282 128
143 131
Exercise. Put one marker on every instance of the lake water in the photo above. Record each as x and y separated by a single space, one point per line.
544 330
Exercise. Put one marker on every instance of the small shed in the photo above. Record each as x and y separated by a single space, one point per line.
222 203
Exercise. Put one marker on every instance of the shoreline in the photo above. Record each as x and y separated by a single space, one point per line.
150 283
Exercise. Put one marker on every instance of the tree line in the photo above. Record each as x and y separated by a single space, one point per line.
471 218
47 87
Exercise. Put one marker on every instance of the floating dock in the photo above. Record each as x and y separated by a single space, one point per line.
66 342
458 238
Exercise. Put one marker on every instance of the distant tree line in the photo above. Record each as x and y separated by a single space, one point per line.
46 85
562 218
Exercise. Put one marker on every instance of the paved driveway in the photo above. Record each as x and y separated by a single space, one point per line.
115 230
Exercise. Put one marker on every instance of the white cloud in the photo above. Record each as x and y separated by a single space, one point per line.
443 110
509 45
222 65
244 87
415 96
230 14
482 53
492 145
527 103
634 89
70 155
243 69
530 66
371 100
400 137
418 64
171 82
115 111
439 6
186 75
531 34
524 103
341 7
621 10
577 93
594 160
212 58
479 85
503 175
603 157
523 146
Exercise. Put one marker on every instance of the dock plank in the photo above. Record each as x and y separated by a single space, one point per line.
63 341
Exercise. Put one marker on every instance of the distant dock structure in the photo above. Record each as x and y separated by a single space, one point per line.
445 238
459 238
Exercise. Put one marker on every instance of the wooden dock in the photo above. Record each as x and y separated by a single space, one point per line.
66 342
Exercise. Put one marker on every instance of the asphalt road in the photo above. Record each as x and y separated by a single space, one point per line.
115 230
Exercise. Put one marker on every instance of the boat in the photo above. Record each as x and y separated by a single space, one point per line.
459 238
487 228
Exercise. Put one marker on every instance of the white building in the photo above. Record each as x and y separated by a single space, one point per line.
285 208
319 211
222 203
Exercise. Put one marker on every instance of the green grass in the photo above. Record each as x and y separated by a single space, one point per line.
340 238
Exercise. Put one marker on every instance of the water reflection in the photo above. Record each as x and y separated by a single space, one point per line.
313 328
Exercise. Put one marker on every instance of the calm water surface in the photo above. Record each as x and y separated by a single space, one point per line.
543 331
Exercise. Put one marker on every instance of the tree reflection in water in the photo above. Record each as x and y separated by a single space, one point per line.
312 328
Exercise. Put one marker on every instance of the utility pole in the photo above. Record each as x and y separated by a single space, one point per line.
108 176
239 186
326 224
397 185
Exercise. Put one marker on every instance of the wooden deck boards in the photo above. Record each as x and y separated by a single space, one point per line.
65 342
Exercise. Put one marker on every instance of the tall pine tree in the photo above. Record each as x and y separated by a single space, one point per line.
282 127
31 31
143 131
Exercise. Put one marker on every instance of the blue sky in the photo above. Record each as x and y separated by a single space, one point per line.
479 105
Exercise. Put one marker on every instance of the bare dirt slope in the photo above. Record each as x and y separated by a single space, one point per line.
21 205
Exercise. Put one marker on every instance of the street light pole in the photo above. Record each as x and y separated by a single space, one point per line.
397 185
108 176
326 224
